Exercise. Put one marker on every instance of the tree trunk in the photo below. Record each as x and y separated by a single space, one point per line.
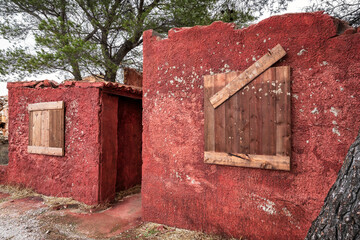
76 70
339 218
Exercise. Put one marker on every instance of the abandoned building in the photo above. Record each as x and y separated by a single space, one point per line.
76 139
235 131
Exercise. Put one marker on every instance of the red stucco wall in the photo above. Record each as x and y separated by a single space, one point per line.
77 173
179 189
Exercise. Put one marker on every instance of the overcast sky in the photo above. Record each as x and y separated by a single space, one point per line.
295 6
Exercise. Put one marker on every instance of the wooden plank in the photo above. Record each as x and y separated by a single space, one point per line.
283 111
220 143
254 117
56 123
44 132
209 114
268 112
251 161
244 120
248 75
36 130
46 106
31 128
231 118
46 150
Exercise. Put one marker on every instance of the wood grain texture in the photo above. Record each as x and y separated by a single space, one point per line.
44 131
267 95
56 128
209 114
248 160
46 106
46 150
231 118
36 129
283 111
248 75
220 143
244 120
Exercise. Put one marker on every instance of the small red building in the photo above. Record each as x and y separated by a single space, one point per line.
77 139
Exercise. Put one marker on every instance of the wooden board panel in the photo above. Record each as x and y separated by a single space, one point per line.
209 111
31 128
257 122
267 94
255 143
248 75
248 160
244 120
220 143
231 118
46 150
56 127
283 111
46 106
36 128
44 132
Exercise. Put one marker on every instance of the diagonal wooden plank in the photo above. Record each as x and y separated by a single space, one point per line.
248 75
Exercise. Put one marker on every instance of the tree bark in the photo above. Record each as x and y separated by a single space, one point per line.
339 218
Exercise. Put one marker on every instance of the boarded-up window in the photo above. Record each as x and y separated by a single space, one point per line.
46 128
252 127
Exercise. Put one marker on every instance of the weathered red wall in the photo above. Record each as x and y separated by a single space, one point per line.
109 146
179 189
132 77
77 173
130 143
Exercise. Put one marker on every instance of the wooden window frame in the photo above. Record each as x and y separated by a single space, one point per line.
45 108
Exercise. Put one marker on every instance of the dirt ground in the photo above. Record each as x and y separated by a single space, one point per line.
25 214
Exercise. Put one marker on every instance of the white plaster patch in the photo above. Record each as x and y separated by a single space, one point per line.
268 207
296 96
324 63
301 52
334 111
286 212
315 111
336 131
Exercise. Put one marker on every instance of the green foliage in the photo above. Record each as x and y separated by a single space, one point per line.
99 36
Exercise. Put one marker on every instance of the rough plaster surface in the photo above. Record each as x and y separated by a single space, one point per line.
179 189
77 173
